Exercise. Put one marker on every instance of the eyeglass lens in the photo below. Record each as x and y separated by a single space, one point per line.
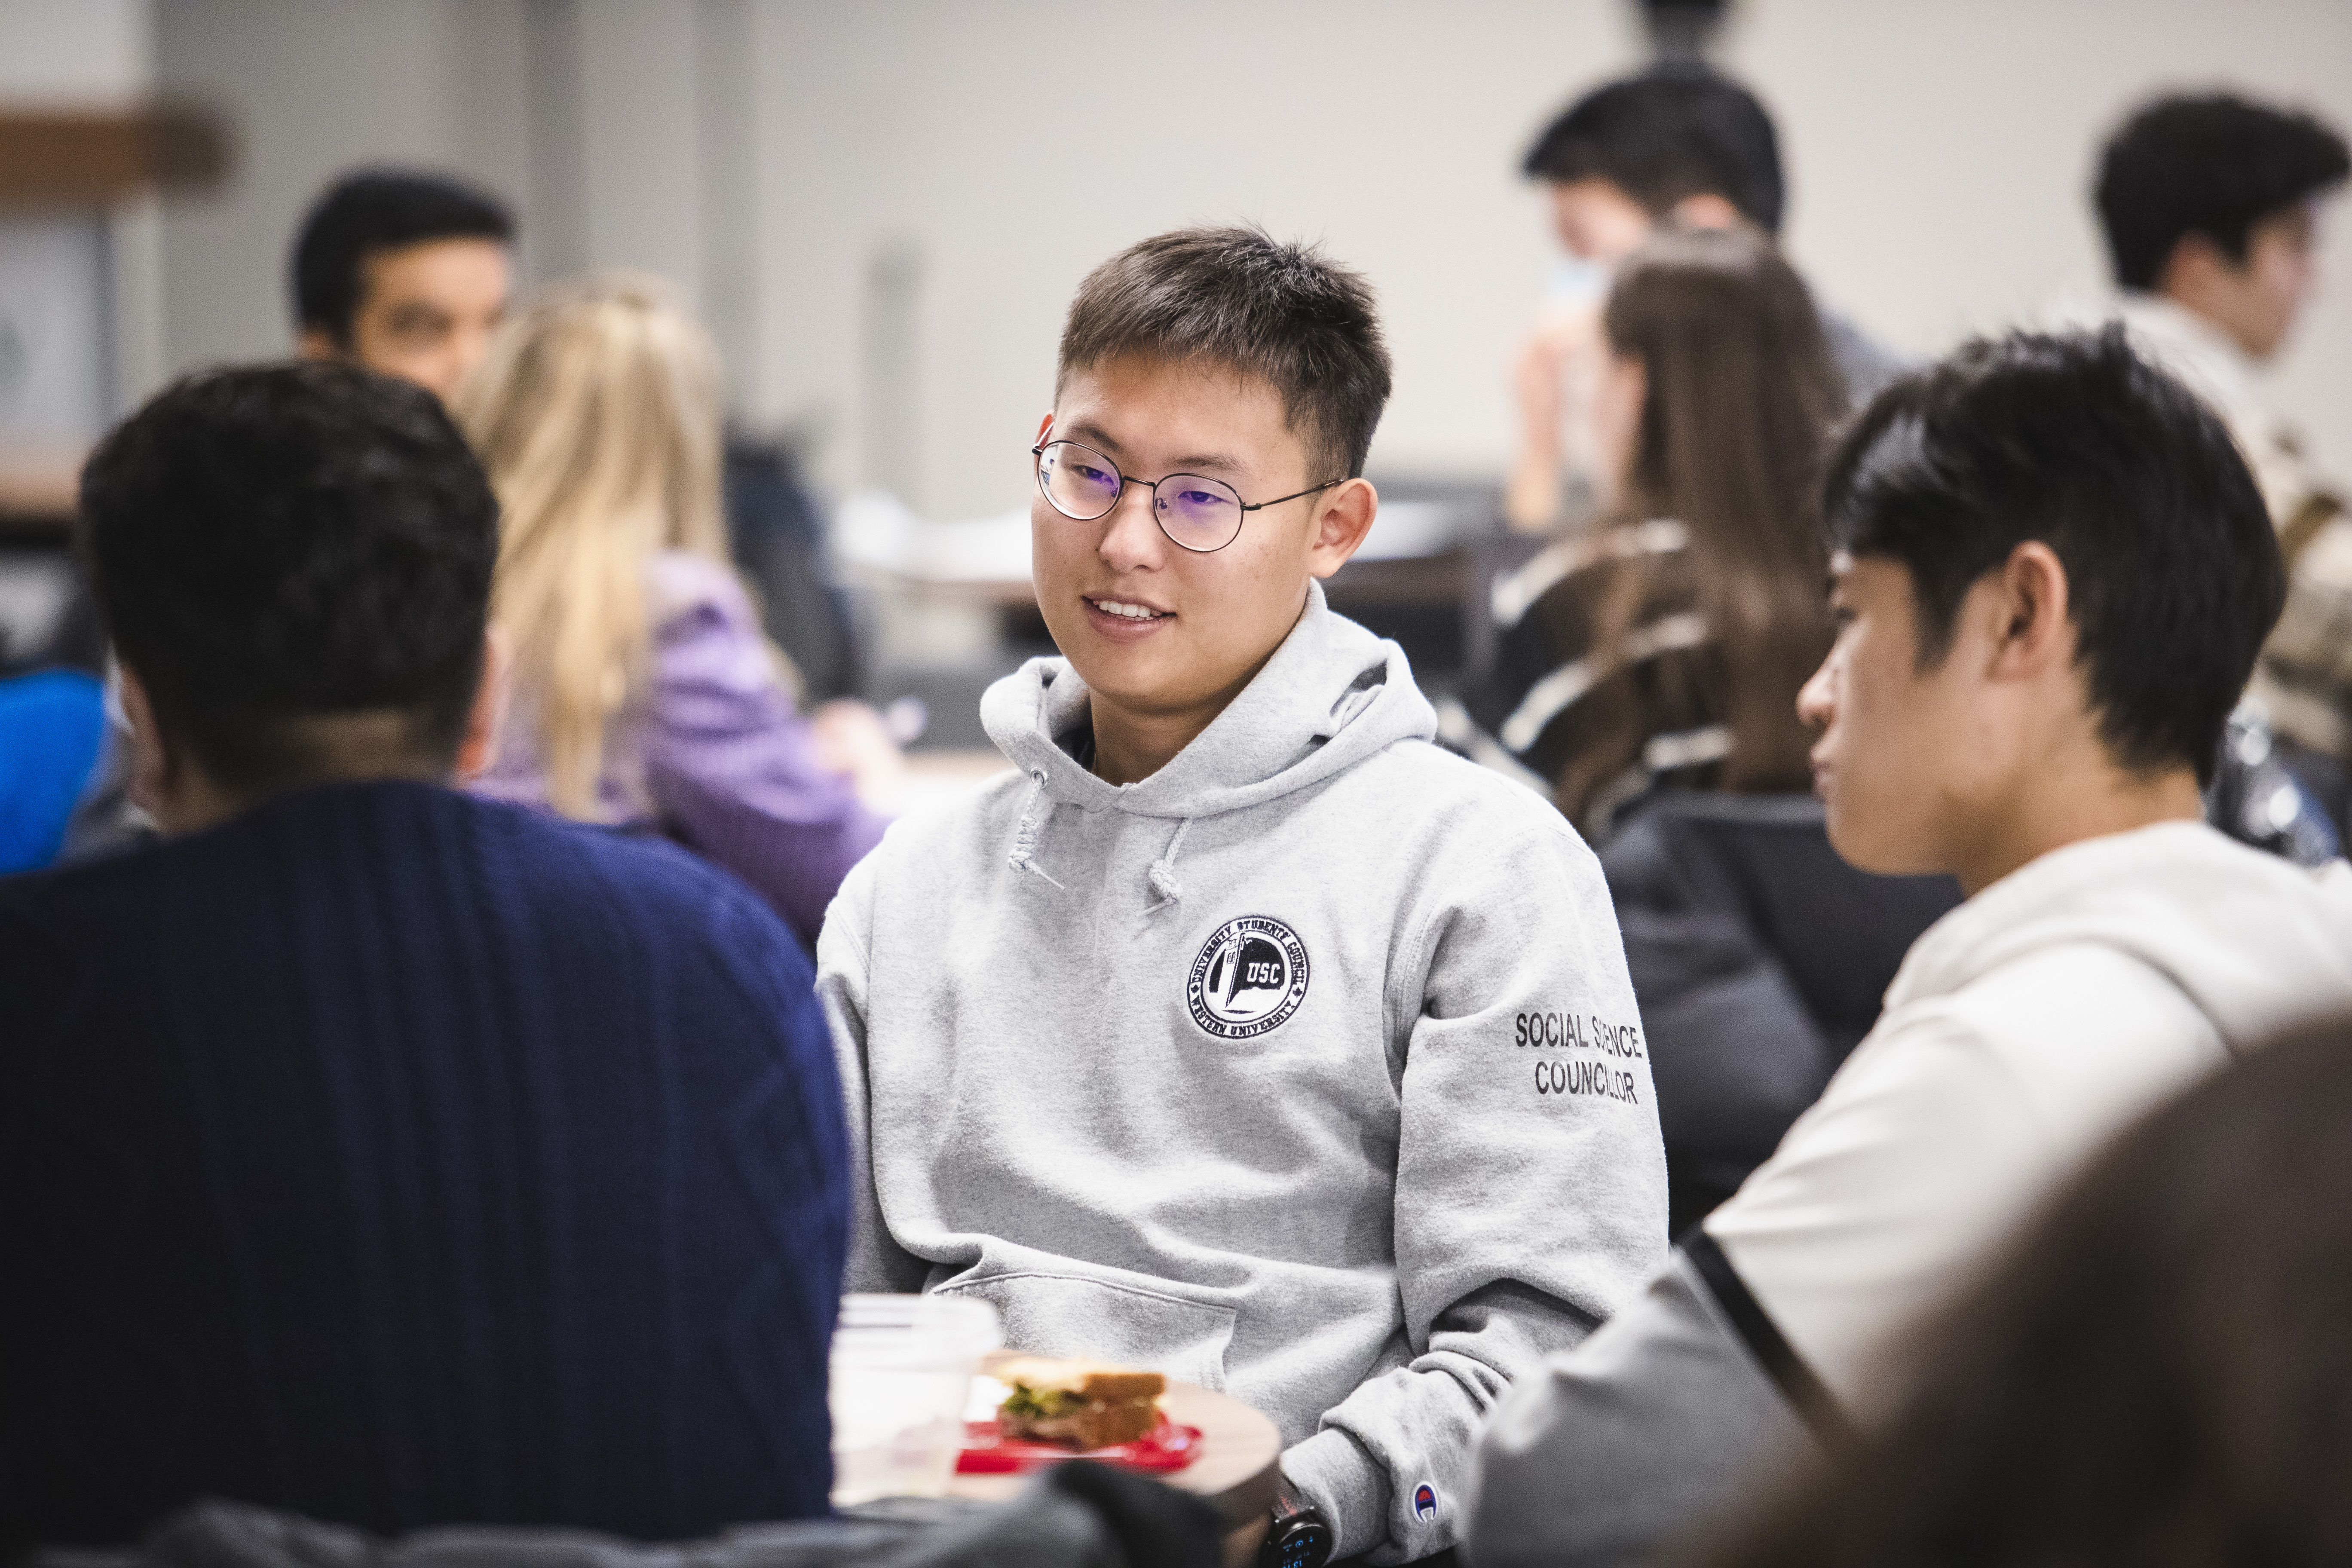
1196 512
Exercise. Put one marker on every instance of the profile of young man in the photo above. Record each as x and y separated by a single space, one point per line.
406 273
373 1151
1243 1033
2211 208
2052 572
1677 145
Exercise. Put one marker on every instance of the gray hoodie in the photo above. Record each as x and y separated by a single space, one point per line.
1307 1068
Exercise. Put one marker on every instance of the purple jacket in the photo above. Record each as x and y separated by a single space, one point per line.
726 765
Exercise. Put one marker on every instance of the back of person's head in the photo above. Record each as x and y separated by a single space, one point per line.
1665 136
2214 165
597 412
365 214
1241 300
2157 1372
278 546
2173 573
1740 396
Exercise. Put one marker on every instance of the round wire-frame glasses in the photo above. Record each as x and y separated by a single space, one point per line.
1198 513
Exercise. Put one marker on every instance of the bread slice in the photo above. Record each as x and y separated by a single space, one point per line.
1092 1404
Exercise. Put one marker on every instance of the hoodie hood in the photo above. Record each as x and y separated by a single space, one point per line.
2258 944
1332 695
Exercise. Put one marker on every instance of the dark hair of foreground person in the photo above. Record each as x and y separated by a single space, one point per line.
2158 1374
277 546
2075 441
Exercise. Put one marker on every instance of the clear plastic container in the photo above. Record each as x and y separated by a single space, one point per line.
902 1371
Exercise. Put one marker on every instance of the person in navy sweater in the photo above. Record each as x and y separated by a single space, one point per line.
370 1150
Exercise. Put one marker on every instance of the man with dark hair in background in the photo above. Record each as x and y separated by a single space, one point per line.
1678 144
2052 572
403 272
367 1149
2211 207
406 273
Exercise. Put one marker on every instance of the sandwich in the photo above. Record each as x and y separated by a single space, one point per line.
1088 1403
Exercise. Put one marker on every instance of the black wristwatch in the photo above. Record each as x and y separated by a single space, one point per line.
1299 1535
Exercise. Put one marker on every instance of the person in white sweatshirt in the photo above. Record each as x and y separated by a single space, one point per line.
1244 1033
2212 209
2053 571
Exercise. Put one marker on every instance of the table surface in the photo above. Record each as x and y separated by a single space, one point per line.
1237 1469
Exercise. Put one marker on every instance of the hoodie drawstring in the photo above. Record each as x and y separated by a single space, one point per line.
1162 875
1033 823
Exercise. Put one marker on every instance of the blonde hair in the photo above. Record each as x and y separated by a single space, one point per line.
596 413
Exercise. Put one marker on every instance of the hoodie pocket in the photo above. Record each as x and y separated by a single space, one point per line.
1053 1312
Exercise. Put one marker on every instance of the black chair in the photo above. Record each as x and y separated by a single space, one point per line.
1759 960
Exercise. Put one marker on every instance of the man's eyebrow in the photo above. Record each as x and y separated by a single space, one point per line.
1094 434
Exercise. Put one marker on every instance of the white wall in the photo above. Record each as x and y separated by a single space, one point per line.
1944 153
76 52
884 205
1015 145
1938 155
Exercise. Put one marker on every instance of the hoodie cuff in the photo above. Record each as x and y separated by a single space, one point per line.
1340 1475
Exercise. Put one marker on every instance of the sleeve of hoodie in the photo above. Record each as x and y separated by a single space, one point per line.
1530 1188
876 1261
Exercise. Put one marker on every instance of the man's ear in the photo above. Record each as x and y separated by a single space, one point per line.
1343 515
1045 428
1707 210
478 751
2196 271
151 759
2034 626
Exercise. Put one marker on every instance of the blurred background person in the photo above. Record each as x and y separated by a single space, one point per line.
640 690
399 271
1678 145
2155 1371
2211 207
404 273
1649 671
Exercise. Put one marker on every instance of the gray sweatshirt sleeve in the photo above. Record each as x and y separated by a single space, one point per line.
876 1261
1620 1446
1530 1195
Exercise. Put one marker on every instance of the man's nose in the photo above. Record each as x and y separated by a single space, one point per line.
1132 536
1817 698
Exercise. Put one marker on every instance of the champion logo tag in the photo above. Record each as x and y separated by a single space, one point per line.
1425 1501
1250 977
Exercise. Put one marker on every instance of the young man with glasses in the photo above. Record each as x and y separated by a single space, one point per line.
1244 1034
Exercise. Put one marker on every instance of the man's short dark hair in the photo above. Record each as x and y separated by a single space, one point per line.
368 214
285 543
1241 300
1666 136
2215 166
2173 574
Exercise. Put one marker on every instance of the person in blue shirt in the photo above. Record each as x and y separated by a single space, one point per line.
367 1149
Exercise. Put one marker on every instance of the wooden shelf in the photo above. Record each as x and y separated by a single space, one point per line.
80 158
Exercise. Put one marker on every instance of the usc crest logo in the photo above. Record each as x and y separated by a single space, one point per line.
1250 977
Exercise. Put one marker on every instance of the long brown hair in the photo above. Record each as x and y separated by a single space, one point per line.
1739 400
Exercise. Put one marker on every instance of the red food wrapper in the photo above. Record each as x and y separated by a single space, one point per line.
988 1452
